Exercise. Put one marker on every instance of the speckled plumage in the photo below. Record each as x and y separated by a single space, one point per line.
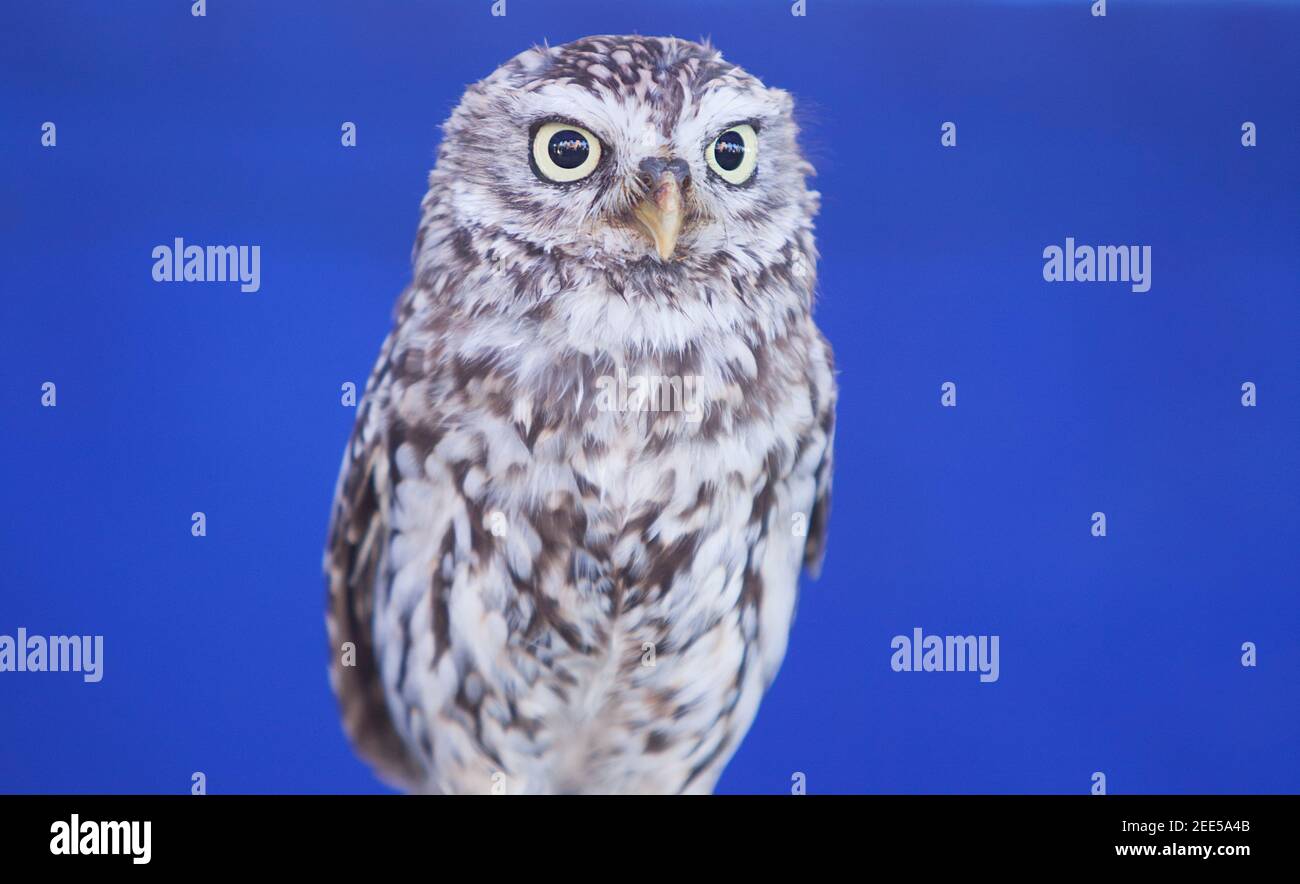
541 593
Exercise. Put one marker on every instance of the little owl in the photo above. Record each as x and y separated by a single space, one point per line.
596 447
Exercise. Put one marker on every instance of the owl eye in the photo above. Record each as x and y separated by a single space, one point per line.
733 155
563 152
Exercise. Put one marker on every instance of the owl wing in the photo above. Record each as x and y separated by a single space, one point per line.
823 396
354 563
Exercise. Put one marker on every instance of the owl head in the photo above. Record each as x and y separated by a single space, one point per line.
632 153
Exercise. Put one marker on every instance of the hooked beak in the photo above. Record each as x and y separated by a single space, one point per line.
660 211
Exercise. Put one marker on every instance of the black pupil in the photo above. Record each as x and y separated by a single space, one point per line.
729 150
568 149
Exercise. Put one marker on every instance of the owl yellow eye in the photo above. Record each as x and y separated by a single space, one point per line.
733 155
563 152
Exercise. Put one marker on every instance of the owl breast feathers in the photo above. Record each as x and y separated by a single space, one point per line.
595 450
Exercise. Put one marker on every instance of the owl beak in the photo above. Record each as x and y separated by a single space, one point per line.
660 211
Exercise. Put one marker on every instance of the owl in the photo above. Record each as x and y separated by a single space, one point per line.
595 451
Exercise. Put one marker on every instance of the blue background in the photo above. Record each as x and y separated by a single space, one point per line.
1118 654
